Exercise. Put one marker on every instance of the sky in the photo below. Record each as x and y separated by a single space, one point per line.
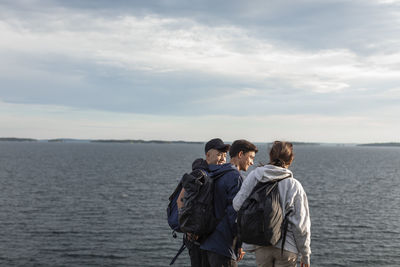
306 70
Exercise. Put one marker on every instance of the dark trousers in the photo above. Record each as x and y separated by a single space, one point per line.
217 260
198 257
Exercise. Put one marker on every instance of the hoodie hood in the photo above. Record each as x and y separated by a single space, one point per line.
216 169
270 172
200 164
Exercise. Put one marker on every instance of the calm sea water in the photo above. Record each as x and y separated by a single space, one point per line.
71 204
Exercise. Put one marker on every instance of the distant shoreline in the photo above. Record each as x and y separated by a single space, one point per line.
140 141
382 144
145 142
123 141
13 139
69 140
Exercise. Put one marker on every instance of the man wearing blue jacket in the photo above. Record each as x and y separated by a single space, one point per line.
215 154
222 246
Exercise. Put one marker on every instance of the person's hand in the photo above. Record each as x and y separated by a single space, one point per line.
302 264
241 254
192 236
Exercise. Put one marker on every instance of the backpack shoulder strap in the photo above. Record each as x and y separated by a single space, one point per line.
280 179
177 190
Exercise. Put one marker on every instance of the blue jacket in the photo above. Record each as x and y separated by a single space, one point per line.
223 240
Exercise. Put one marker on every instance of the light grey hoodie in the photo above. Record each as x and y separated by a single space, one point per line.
293 197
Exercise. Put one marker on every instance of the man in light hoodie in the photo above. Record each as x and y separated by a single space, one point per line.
292 197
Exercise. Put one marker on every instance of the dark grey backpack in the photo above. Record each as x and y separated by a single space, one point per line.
260 219
197 215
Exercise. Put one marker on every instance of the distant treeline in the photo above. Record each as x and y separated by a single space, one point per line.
305 143
13 139
381 144
56 140
140 141
145 142
68 140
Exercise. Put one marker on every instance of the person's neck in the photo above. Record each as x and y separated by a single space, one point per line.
235 162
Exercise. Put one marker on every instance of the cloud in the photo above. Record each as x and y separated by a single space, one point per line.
109 64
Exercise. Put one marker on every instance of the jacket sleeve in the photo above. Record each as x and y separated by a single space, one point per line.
244 192
232 188
301 223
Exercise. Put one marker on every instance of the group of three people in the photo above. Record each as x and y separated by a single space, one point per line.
222 248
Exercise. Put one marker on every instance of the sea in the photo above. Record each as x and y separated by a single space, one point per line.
104 204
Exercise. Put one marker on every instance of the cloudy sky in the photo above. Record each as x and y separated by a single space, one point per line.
315 70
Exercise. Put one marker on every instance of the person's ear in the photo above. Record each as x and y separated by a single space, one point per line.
240 154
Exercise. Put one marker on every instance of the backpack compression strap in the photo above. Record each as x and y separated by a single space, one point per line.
179 253
285 221
285 227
